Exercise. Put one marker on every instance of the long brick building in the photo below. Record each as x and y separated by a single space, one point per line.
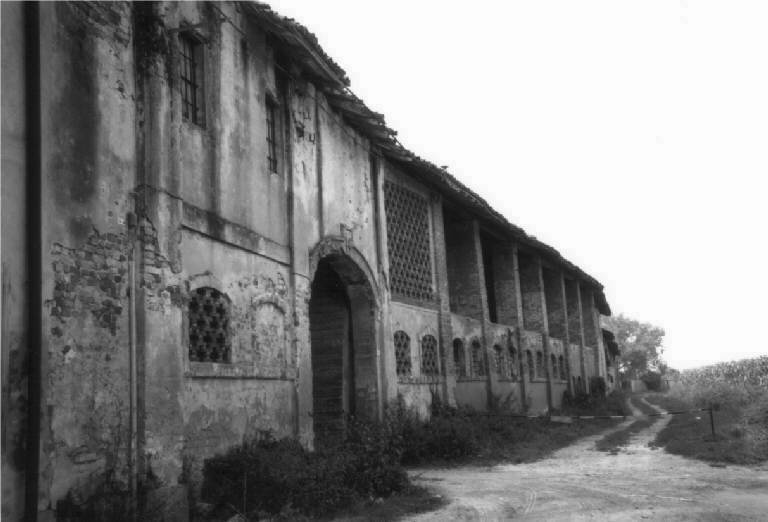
206 235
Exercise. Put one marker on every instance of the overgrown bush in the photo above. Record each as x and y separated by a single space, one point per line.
652 380
272 476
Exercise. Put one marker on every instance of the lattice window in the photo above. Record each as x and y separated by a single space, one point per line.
429 363
561 365
208 315
512 368
459 358
272 141
498 356
410 263
192 79
478 360
531 367
403 353
555 372
539 364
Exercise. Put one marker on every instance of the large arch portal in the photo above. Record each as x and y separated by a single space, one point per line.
342 311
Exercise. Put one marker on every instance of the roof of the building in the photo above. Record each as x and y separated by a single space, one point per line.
333 82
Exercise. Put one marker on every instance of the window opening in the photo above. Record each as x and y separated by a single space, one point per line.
539 364
410 262
192 79
429 364
459 359
531 367
499 357
208 320
272 135
478 361
402 353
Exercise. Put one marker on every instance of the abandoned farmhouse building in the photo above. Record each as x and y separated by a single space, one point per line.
206 234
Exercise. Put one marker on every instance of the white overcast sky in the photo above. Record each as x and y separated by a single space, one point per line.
631 136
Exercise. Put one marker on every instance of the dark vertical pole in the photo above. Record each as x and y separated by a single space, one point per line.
34 253
712 421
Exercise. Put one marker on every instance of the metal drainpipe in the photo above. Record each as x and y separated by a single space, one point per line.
133 383
34 253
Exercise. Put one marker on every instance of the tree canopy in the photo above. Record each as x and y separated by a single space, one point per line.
641 346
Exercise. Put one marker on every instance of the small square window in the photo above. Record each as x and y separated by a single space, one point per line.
192 79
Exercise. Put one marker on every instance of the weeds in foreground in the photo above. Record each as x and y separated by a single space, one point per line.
269 477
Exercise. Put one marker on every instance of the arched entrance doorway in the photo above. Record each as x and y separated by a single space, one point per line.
342 311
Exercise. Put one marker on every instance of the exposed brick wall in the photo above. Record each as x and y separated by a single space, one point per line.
88 374
572 302
553 291
590 333
463 272
530 289
497 257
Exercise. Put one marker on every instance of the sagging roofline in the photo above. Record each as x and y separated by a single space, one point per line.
328 76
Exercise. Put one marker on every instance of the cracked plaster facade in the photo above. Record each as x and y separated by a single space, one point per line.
142 208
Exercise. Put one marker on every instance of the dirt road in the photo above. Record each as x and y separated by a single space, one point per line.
581 483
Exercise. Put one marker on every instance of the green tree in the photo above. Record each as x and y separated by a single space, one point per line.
641 346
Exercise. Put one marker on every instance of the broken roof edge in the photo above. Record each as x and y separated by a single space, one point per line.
333 82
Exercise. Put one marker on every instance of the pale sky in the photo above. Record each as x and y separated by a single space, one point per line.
631 136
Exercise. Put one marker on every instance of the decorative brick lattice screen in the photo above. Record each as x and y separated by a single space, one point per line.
478 361
410 264
403 353
561 365
209 326
459 358
499 356
429 365
540 365
511 369
555 373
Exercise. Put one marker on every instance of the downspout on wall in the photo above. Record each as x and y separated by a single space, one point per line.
34 254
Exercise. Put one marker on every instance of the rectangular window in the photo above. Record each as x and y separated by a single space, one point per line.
408 242
272 135
192 79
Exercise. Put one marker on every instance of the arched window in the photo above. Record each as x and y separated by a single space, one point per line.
402 353
208 321
531 367
540 364
459 358
429 364
498 355
561 365
478 360
555 373
512 368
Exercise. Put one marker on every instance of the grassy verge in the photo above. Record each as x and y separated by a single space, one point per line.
741 432
614 441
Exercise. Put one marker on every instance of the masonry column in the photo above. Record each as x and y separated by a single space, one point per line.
536 330
443 299
483 295
567 333
522 364
545 332
584 374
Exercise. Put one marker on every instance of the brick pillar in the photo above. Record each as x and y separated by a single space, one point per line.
568 373
491 377
545 332
523 368
582 339
443 298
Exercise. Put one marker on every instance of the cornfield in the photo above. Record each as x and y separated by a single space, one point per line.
735 382
750 372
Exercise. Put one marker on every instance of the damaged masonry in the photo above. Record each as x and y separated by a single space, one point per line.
207 235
